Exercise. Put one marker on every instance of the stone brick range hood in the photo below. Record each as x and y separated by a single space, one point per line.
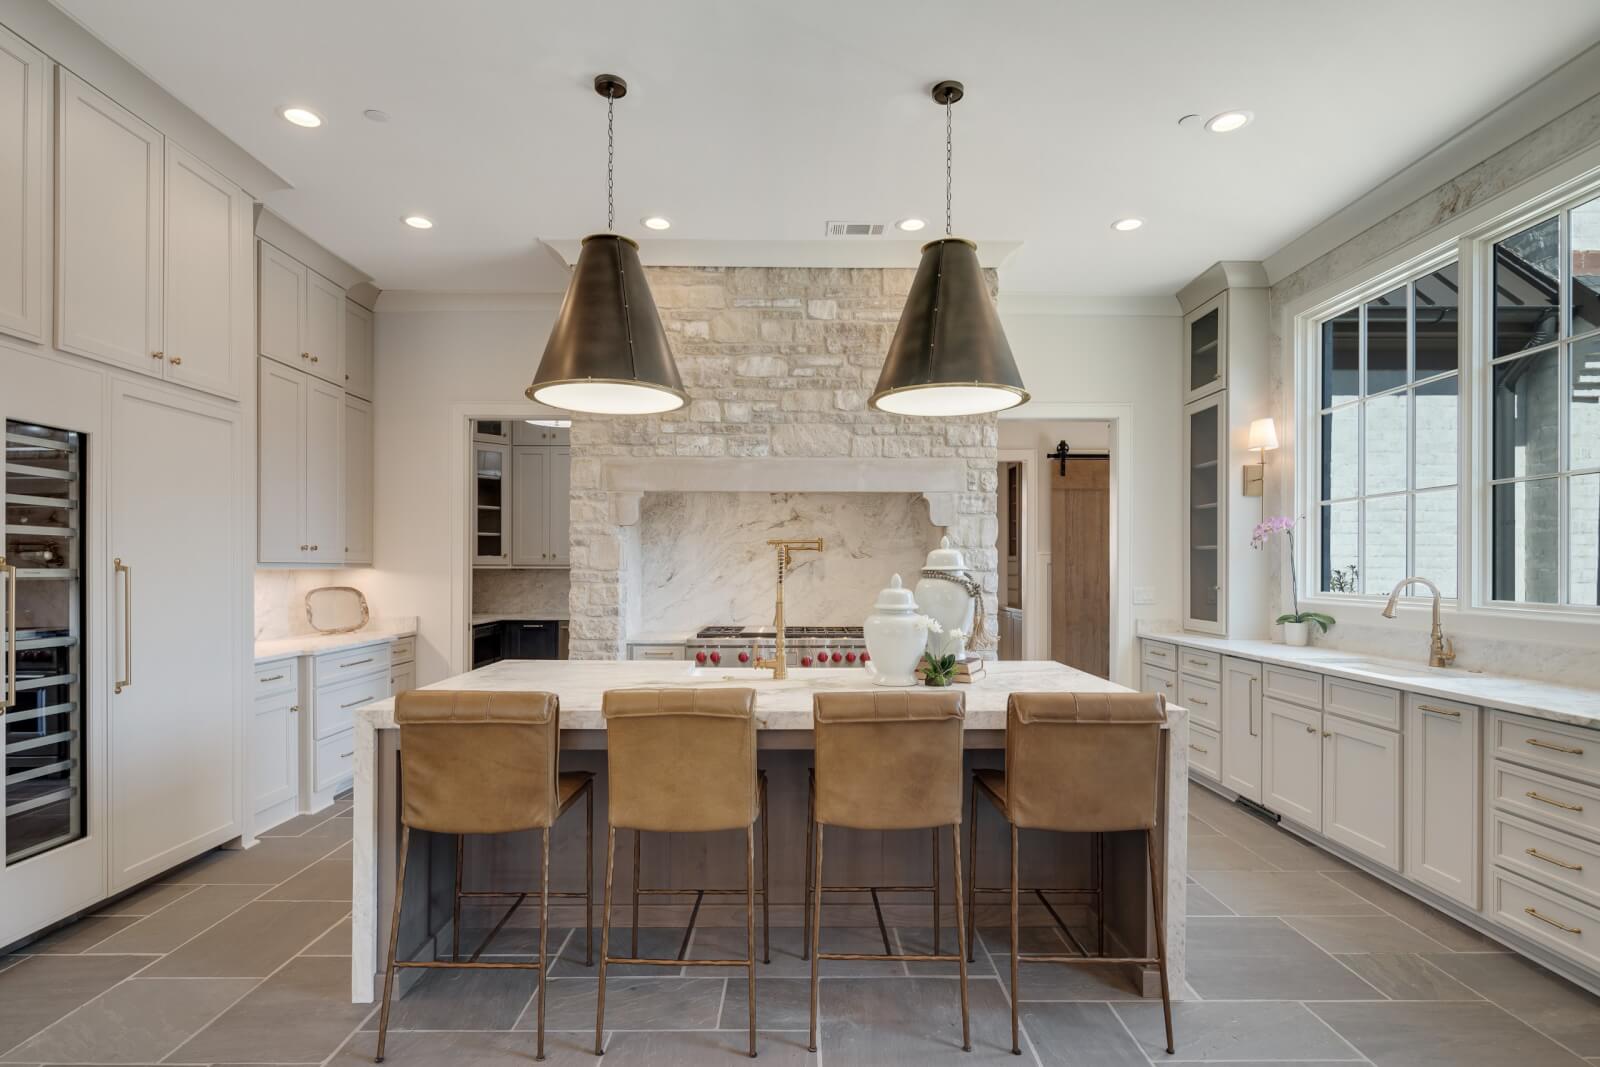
778 363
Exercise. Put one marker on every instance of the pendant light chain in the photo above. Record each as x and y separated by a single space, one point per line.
948 158
611 153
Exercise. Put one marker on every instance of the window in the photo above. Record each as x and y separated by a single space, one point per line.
1544 413
1389 459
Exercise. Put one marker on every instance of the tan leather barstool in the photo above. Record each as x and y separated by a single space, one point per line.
886 761
483 763
1079 763
681 761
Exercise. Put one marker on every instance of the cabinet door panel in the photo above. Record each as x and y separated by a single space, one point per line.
280 312
324 478
1241 727
203 279
108 230
1443 796
1291 762
1361 788
23 201
530 488
281 464
558 498
358 350
1205 516
324 336
274 752
358 458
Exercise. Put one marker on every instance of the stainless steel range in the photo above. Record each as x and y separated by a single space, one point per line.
805 646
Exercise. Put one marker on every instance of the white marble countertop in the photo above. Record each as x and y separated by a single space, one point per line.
1526 696
521 616
784 705
312 644
662 637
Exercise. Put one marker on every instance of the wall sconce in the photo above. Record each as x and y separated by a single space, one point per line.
1263 439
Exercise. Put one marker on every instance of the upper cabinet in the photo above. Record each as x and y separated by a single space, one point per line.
24 197
301 316
1205 371
152 249
358 350
300 468
358 456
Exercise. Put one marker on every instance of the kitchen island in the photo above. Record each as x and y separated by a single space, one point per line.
783 714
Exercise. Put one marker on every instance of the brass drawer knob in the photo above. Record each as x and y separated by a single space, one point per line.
175 360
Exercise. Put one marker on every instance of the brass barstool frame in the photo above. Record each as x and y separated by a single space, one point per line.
473 963
750 893
1017 958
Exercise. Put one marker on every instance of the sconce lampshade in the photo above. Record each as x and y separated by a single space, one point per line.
949 355
608 354
1263 436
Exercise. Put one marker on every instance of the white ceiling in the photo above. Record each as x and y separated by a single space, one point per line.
754 122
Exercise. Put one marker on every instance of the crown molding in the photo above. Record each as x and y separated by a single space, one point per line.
392 300
1013 303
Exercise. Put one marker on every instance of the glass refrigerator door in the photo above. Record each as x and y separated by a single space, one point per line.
43 640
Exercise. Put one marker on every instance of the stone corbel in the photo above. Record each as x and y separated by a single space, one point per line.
941 508
625 506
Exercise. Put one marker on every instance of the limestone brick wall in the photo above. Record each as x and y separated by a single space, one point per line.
777 362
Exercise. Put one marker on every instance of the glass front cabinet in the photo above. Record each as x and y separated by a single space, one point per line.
491 471
1205 514
1205 366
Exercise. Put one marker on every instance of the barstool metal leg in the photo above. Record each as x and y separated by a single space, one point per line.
936 923
816 927
766 894
637 834
1100 892
394 941
605 940
750 923
1016 1047
972 879
588 875
1161 936
455 907
544 929
811 813
961 936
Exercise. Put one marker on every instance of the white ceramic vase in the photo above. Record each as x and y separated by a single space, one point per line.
1297 634
897 635
947 603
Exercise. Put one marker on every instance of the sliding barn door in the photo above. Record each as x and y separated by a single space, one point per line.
1080 565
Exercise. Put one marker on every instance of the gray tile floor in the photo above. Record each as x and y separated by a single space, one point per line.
242 957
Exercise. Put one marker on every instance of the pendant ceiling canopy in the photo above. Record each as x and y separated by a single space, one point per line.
949 355
608 354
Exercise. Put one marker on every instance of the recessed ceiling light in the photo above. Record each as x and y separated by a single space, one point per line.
419 222
372 114
657 222
302 117
1127 224
911 225
1229 121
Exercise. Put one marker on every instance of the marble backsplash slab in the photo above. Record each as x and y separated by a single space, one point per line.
536 593
280 598
1566 664
705 559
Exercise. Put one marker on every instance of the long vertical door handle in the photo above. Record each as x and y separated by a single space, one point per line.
127 625
1255 731
11 634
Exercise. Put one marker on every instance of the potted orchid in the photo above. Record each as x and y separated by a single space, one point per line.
1296 624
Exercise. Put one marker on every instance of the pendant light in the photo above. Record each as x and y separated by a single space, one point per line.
949 355
608 354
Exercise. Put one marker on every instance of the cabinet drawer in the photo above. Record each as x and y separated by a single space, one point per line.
655 652
1205 751
280 676
1297 687
335 667
335 759
1159 680
1160 654
1200 664
404 650
1551 858
1362 702
1203 699
1547 799
1568 750
334 708
1547 917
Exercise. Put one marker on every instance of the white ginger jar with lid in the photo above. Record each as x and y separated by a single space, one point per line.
897 634
947 602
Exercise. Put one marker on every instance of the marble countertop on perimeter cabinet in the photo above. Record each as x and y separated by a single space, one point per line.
313 644
522 616
1525 696
784 705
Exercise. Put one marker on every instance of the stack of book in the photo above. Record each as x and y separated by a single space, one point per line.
967 668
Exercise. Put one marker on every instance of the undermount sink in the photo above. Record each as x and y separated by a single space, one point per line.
1393 670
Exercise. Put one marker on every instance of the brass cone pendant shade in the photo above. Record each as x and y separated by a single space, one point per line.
608 354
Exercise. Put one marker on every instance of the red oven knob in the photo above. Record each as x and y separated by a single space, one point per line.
716 657
849 657
744 657
805 661
700 657
837 657
865 657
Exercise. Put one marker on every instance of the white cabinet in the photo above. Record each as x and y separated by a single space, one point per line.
208 282
109 206
358 458
24 196
527 433
300 467
1204 328
358 342
1361 788
1241 727
274 751
541 506
1205 576
1291 762
491 515
1158 680
338 683
301 316
176 645
1443 796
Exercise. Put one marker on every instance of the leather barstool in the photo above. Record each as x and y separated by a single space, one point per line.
1079 763
682 761
886 761
484 763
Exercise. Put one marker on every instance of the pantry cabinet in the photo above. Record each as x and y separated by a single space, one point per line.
301 316
358 342
24 196
358 459
300 467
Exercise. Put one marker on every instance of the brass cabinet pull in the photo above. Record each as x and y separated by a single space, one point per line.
1199 749
270 678
1541 798
1198 663
1197 702
305 355
355 663
1325 733
1449 712
347 755
314 359
157 355
176 361
1564 749
1311 729
1250 699
127 624
10 700
1558 925
294 709
1536 854
353 703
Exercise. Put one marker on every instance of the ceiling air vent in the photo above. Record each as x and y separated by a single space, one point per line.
855 229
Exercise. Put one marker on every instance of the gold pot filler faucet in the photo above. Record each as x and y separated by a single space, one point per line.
779 661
